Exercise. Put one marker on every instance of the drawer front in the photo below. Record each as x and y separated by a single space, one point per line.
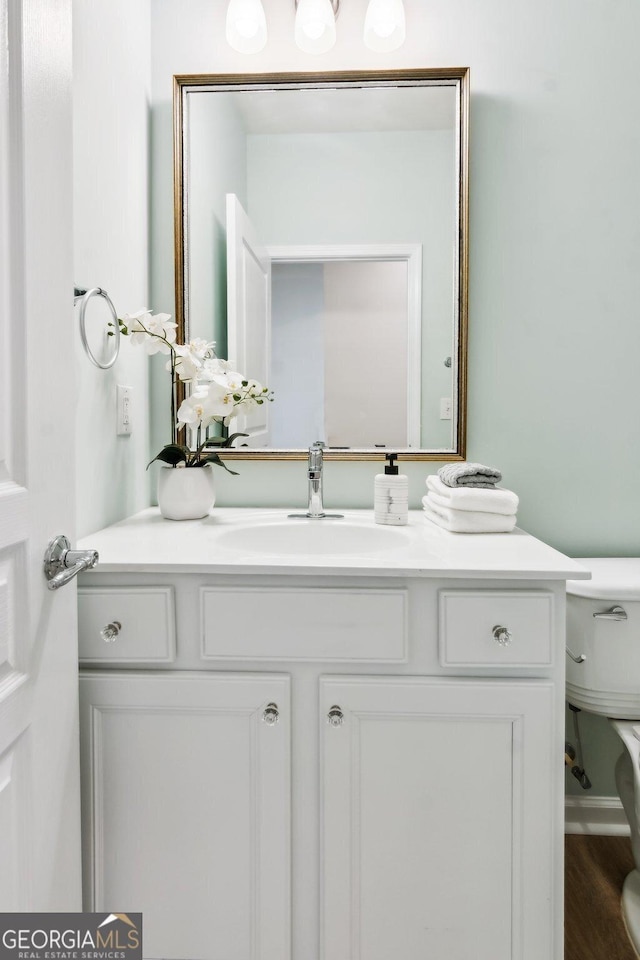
142 623
495 629
312 623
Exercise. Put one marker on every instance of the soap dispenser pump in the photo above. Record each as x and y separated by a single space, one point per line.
391 494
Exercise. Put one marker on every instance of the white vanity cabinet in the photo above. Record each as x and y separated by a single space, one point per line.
337 762
437 819
187 819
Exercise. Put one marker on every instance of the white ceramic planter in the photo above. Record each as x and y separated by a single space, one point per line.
185 493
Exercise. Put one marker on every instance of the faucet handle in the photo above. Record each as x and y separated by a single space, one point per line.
315 455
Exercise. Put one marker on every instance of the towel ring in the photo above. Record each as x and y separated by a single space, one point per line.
84 296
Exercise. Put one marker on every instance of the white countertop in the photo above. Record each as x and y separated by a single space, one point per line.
147 543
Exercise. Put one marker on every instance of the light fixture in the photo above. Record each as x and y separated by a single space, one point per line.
315 25
384 25
315 28
246 26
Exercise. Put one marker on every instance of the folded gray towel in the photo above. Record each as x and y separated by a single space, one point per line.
469 475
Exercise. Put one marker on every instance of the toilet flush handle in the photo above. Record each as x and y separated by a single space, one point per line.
615 613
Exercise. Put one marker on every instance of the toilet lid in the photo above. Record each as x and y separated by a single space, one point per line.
612 578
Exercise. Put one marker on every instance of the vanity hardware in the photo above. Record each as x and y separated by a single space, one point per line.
447 362
271 714
61 564
335 717
615 613
82 295
110 633
502 636
580 659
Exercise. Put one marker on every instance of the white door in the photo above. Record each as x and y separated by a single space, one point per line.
195 836
39 795
248 314
438 820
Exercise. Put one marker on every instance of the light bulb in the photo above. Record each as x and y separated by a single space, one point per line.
384 25
315 27
246 26
384 28
314 30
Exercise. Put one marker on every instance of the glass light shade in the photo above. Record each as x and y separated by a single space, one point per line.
384 25
246 26
315 29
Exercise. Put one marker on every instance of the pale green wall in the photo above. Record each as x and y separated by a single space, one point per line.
111 91
554 336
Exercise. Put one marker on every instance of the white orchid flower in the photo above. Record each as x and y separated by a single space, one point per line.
195 411
213 367
190 358
155 333
220 399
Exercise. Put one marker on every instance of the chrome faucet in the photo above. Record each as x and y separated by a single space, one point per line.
314 472
315 510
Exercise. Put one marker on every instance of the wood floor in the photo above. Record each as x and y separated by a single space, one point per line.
595 868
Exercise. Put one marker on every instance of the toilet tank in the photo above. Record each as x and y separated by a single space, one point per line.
607 682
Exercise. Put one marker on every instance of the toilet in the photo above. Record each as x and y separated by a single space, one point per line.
603 677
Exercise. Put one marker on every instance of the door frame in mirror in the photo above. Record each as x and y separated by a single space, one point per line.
454 75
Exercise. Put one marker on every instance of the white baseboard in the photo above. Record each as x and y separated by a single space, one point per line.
603 816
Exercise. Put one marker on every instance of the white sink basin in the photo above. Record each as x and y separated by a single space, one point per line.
327 537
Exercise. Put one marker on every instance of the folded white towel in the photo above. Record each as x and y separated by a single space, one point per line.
469 475
468 521
481 499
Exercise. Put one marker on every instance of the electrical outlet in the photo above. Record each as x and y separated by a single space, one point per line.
124 403
445 408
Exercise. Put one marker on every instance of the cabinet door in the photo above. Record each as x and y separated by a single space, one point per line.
438 819
186 810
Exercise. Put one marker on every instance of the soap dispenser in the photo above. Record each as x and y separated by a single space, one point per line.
391 494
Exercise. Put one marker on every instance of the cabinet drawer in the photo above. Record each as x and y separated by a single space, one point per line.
467 630
310 623
143 620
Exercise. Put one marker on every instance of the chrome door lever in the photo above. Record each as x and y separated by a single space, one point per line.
61 564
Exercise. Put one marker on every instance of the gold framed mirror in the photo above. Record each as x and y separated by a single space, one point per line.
321 240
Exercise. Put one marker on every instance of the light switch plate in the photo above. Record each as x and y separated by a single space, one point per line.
124 398
445 408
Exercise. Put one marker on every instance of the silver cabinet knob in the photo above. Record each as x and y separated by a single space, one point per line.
335 717
110 633
502 636
271 714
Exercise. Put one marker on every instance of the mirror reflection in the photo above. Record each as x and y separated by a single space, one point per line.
320 245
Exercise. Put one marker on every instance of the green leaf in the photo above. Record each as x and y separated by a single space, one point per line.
223 441
214 458
172 453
